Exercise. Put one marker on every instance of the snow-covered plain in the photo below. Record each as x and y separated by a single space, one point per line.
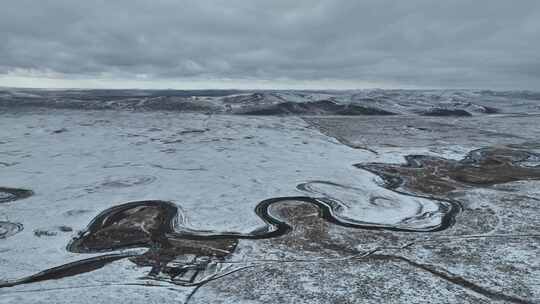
216 169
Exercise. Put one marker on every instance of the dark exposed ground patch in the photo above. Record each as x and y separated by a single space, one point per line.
320 107
13 194
439 176
446 112
44 233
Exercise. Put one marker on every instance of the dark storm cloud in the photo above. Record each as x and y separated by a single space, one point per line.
415 42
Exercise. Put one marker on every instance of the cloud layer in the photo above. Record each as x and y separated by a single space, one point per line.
414 43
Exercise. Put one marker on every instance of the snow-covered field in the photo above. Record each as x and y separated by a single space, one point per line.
216 168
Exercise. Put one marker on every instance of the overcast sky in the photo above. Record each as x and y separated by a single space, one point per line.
271 44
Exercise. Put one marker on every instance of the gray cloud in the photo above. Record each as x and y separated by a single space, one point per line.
461 43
